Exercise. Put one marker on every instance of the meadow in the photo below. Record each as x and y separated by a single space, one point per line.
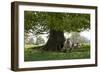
32 53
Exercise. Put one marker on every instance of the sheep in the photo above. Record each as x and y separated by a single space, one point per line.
68 45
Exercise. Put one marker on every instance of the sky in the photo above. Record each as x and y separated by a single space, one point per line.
86 34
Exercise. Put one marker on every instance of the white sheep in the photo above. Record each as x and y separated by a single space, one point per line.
68 45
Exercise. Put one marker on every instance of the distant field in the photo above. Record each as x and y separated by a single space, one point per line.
32 54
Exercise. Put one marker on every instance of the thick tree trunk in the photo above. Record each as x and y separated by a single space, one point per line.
55 41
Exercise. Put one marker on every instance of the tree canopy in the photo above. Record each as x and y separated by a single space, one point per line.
40 22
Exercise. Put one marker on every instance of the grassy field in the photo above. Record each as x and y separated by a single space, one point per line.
31 54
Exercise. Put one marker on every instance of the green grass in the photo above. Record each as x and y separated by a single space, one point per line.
38 55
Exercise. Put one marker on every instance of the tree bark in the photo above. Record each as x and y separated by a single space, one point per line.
55 41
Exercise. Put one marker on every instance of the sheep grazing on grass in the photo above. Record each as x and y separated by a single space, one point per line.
69 45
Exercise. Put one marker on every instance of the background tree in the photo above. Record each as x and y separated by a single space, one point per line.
77 38
40 40
55 24
26 38
31 40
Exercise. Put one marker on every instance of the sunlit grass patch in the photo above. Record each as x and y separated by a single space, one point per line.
31 54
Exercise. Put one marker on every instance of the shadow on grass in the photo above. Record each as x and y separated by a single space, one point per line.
38 54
